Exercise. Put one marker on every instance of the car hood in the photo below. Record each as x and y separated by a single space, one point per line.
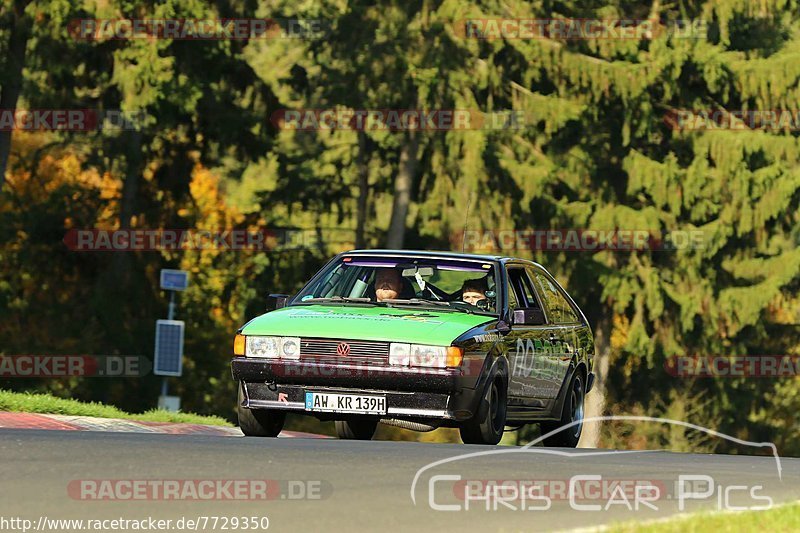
421 326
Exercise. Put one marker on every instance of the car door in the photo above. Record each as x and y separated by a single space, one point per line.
526 344
563 323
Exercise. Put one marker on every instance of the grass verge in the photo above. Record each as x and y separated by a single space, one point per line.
779 518
24 402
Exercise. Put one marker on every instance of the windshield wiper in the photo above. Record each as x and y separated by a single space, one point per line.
341 299
463 306
460 306
412 301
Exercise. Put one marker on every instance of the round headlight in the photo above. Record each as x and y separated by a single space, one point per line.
399 354
290 348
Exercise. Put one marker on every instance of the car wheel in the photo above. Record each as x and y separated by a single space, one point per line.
486 427
356 429
259 422
571 412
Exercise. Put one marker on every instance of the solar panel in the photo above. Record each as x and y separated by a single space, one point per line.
168 359
174 280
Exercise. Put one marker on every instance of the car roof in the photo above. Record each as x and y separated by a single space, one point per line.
443 254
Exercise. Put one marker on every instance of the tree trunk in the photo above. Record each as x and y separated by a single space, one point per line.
596 400
363 190
19 34
133 170
121 264
402 191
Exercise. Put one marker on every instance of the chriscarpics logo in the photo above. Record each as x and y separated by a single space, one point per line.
530 478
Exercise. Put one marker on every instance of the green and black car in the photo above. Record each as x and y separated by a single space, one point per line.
419 340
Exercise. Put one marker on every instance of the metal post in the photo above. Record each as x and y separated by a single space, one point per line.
170 315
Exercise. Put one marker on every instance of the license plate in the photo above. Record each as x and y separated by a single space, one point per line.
345 403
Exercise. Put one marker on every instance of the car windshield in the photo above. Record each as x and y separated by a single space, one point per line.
466 286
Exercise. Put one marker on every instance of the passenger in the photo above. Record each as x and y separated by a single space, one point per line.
474 290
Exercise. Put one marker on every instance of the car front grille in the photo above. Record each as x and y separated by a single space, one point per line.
360 352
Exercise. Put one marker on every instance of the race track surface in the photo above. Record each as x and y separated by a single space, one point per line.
358 485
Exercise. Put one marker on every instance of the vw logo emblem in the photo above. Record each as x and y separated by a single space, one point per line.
343 349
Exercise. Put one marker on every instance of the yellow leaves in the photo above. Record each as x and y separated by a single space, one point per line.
204 186
110 187
619 332
209 199
70 167
55 169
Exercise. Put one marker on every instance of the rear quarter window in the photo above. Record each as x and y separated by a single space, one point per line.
559 310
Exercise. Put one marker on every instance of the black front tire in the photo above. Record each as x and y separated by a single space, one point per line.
259 422
356 429
487 426
571 412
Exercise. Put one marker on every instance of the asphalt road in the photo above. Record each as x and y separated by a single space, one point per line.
331 485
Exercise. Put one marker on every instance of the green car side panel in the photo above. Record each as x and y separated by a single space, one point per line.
418 326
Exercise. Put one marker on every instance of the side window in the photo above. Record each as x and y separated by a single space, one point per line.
558 309
521 289
516 291
512 297
530 296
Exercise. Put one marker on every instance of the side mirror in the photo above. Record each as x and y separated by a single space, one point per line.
529 317
276 301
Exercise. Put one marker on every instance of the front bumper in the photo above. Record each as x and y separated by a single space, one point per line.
411 393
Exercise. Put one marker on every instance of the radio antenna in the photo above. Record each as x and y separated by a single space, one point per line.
466 222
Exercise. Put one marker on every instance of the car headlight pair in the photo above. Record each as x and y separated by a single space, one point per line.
424 355
400 354
267 347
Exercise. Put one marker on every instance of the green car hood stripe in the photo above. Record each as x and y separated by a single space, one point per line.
420 326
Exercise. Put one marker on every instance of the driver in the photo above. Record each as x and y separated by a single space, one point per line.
388 284
474 290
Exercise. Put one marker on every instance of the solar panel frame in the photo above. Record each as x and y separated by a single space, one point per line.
168 350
